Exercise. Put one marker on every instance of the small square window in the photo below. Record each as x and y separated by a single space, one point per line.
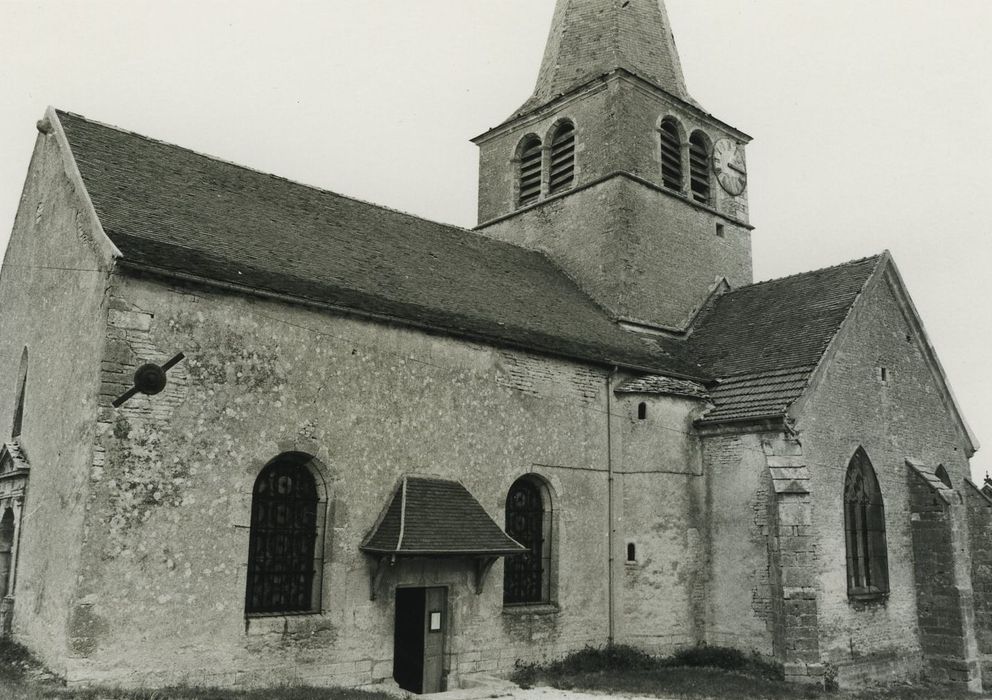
720 231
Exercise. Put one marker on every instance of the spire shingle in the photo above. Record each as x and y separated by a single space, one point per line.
589 38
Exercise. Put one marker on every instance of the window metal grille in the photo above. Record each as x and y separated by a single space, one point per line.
864 526
562 159
523 574
671 156
530 171
282 539
699 168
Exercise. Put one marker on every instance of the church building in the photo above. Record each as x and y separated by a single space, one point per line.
257 433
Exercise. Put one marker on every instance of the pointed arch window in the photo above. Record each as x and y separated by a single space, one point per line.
699 167
944 477
671 155
864 526
282 559
562 159
526 577
530 156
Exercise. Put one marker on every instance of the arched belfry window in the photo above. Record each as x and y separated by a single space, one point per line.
699 167
22 381
530 156
671 155
562 159
283 561
864 526
527 577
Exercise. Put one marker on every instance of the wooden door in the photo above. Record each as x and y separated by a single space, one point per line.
435 626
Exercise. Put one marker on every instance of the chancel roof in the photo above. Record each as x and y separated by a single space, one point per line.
764 341
437 517
169 209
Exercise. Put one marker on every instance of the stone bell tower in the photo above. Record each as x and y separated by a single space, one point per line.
614 171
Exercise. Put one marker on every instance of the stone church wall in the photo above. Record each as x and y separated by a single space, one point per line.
644 254
740 607
901 417
164 562
660 591
52 297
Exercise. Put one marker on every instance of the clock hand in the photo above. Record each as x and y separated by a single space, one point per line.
734 167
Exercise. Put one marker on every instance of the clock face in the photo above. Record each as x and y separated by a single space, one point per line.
728 164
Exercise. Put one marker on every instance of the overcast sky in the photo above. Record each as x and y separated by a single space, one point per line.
872 118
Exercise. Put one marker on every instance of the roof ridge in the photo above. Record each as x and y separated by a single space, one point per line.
241 166
877 257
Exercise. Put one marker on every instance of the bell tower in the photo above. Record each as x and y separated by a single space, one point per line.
616 173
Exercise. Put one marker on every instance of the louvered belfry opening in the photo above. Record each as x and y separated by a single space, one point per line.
530 171
562 159
864 526
671 155
699 167
524 576
282 538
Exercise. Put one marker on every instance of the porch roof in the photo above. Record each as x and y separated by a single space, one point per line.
429 516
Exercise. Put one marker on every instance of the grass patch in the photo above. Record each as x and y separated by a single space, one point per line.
697 674
22 677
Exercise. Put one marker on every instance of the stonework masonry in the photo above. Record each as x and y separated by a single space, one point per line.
648 254
944 598
904 416
979 508
52 294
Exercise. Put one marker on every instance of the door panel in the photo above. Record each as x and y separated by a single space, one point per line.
435 626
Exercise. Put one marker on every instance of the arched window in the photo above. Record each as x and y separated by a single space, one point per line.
699 166
671 155
642 411
527 577
22 381
562 159
282 561
944 477
864 526
530 156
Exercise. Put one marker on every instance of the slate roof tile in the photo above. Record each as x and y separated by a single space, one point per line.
763 341
432 516
654 384
177 211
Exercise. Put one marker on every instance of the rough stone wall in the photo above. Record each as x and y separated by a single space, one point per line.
645 255
792 560
894 419
163 577
660 476
979 507
740 611
943 584
52 290
616 130
648 254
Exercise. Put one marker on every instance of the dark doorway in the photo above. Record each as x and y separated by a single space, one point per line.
418 642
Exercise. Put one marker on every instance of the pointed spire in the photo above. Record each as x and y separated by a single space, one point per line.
591 37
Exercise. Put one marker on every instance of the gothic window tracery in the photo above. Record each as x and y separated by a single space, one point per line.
281 550
864 527
526 577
